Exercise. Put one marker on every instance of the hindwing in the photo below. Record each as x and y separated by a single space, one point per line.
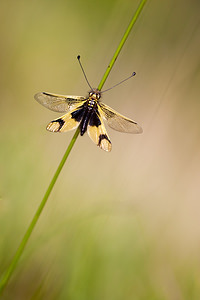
65 123
98 134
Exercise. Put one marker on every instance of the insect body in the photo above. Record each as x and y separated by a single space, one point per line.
87 113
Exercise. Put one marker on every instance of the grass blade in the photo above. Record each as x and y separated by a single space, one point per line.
12 266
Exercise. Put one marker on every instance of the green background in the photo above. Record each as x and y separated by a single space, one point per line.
119 225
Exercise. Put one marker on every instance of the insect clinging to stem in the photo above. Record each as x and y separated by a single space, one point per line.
87 113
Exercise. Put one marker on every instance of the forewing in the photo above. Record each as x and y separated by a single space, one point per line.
118 122
64 123
97 132
59 103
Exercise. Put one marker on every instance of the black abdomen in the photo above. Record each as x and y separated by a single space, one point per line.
87 114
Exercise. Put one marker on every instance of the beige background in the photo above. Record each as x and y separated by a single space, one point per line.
119 225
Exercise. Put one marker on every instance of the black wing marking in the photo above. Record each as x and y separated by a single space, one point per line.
59 103
118 122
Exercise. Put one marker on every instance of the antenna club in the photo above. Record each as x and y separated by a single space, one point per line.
78 57
133 74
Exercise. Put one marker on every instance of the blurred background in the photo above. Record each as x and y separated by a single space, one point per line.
119 225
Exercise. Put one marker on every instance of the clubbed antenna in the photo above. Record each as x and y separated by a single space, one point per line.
133 74
79 60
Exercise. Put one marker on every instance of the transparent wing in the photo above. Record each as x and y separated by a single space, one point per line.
59 103
118 122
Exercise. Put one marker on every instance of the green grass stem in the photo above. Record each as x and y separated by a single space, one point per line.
27 235
121 44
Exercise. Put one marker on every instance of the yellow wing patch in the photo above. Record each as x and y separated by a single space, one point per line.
63 124
99 136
